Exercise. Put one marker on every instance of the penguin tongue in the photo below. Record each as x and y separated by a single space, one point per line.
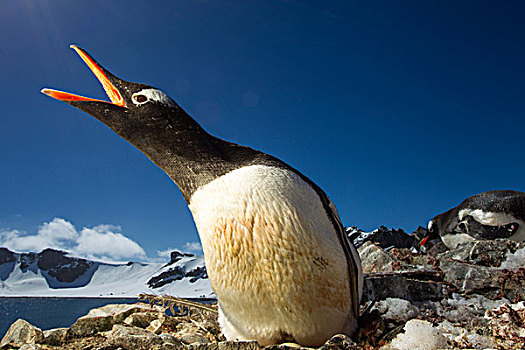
112 92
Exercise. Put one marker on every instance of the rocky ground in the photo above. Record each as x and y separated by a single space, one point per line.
470 297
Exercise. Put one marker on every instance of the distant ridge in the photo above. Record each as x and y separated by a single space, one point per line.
55 273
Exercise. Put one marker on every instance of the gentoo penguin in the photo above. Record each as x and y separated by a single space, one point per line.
488 215
275 250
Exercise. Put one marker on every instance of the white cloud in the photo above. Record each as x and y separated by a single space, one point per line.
58 230
165 253
192 247
54 234
102 242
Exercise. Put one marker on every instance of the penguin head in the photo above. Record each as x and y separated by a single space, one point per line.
443 223
134 109
432 228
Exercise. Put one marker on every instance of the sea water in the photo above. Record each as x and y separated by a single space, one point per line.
46 313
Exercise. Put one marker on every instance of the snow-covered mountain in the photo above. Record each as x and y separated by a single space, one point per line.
55 273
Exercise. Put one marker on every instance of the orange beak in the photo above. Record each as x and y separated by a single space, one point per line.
112 92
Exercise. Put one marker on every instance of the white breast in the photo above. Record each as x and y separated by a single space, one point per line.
272 255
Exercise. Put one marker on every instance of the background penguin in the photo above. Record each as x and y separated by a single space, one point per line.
276 252
488 215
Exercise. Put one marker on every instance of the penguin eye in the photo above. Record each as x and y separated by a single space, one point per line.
431 227
140 98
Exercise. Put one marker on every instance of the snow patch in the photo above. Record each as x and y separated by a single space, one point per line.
419 335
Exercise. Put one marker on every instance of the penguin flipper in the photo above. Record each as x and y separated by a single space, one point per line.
352 256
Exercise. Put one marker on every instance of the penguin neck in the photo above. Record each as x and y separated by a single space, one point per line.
188 154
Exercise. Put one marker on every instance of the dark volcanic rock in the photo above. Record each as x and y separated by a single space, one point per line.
174 274
62 267
197 274
177 273
176 256
26 260
411 286
6 256
384 237
50 258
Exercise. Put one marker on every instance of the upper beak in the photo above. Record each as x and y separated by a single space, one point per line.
107 80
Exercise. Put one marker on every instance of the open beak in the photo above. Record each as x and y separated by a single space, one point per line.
107 80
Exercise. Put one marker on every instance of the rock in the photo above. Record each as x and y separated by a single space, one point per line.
87 325
120 331
226 345
469 278
514 261
62 267
55 336
103 318
489 253
460 337
140 319
384 237
487 281
463 309
27 260
460 298
411 286
507 325
168 338
130 337
189 332
375 259
176 256
155 326
397 310
339 342
6 256
136 342
21 332
191 338
30 347
175 274
197 274
167 346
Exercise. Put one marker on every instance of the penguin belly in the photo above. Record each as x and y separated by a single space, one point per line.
273 258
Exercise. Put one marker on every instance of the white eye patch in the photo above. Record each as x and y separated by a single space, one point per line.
148 95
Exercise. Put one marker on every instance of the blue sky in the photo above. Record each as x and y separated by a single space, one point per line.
398 110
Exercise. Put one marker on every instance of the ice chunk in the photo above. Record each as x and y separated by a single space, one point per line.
419 335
